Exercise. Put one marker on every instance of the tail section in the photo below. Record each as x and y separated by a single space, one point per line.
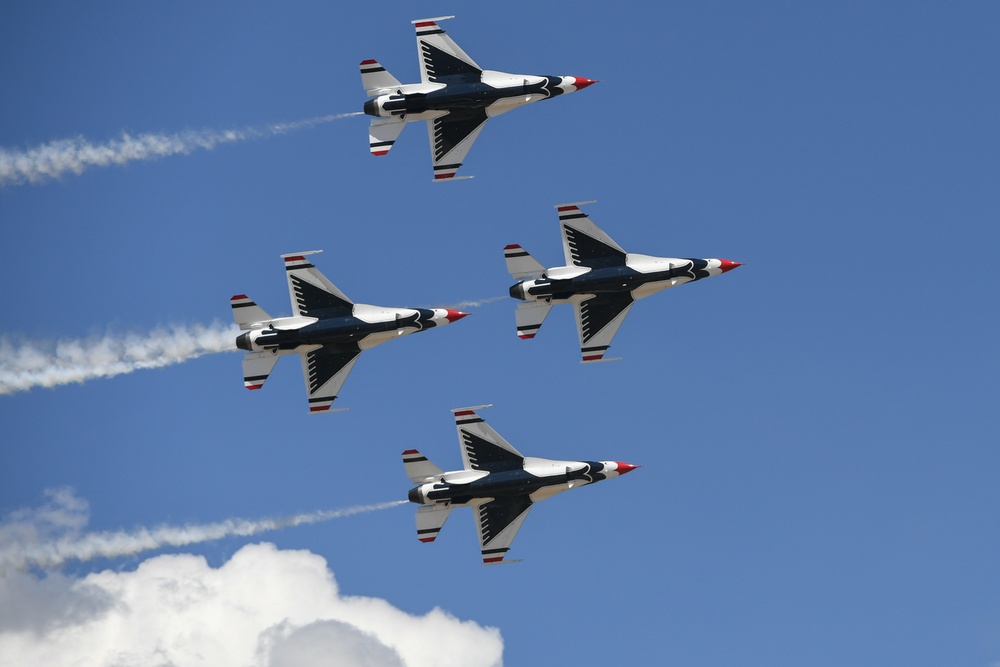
382 134
256 367
376 80
418 468
430 520
529 317
520 264
247 314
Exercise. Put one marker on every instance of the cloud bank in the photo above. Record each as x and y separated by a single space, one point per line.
265 607
56 158
29 364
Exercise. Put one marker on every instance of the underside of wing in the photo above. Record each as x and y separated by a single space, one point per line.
498 522
311 293
482 447
598 319
440 57
451 137
325 370
584 243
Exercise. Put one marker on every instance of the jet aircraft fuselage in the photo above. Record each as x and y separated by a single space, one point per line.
344 330
639 274
493 91
538 475
455 96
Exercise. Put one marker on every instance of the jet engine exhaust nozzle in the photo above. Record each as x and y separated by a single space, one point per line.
371 107
243 342
415 496
516 291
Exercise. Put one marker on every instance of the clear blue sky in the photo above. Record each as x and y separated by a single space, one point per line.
817 429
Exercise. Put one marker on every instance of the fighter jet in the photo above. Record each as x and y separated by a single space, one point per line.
497 481
600 279
327 330
455 96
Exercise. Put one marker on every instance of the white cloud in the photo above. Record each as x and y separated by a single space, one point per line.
263 608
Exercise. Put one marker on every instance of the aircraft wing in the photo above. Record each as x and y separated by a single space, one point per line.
309 289
440 56
325 370
451 137
584 243
498 522
482 447
597 321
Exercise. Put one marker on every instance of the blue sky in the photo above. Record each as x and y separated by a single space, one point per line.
817 430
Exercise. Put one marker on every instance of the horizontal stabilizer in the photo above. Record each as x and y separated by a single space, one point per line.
247 314
520 264
430 520
382 134
529 316
418 468
376 80
256 367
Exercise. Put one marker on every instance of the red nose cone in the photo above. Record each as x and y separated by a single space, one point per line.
728 265
580 83
454 315
625 467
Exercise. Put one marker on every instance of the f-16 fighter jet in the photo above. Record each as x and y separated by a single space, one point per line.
600 279
327 329
455 96
497 481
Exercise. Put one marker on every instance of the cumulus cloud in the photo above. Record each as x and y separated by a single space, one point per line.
56 158
28 364
265 607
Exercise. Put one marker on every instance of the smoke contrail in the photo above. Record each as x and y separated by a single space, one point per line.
121 543
49 364
52 160
474 304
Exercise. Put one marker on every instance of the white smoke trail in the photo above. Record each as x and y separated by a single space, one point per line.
474 304
52 160
27 540
52 363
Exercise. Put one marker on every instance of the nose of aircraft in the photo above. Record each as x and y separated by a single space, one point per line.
580 83
728 265
625 467
455 315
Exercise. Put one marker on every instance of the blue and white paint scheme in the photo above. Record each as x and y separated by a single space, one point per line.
327 329
455 96
600 279
496 480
